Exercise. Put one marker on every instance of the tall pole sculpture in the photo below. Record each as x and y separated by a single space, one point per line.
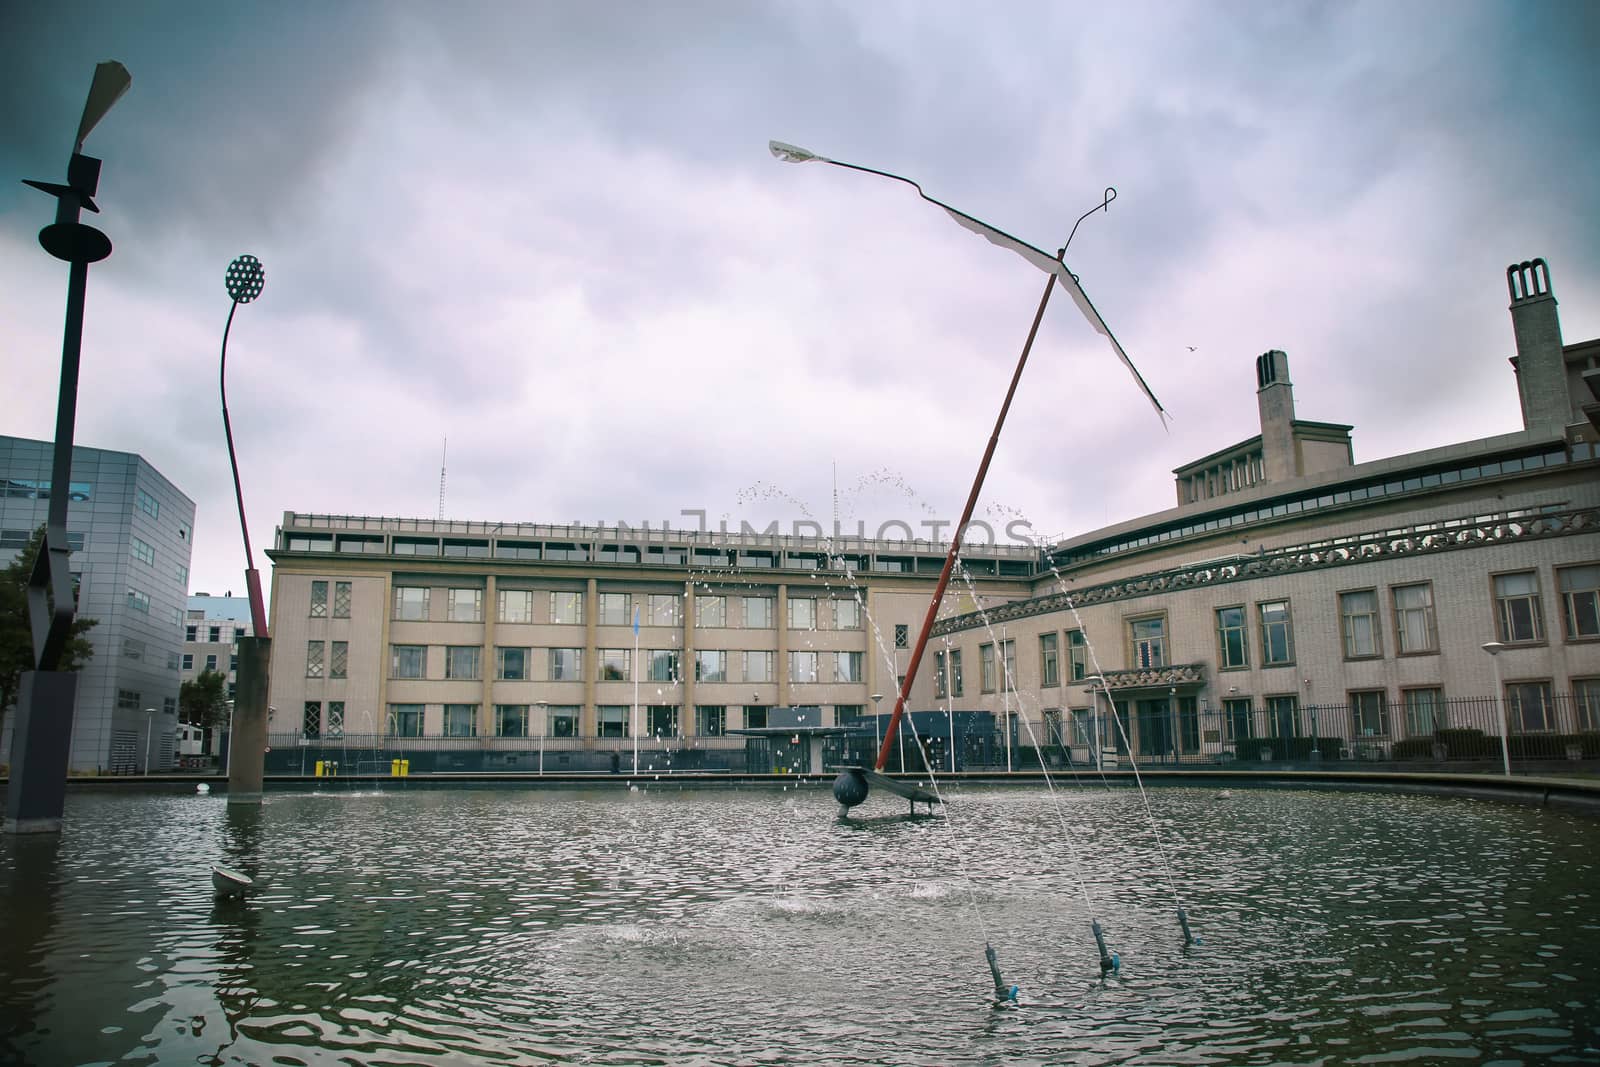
246 765
41 742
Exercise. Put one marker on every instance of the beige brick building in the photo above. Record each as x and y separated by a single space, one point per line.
1291 594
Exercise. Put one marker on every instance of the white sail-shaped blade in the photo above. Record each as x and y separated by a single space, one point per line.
1051 265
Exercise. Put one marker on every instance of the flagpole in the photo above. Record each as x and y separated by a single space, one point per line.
635 726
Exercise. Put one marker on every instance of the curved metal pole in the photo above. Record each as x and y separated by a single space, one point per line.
252 579
1103 205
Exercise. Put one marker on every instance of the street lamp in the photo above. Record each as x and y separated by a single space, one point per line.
544 727
244 280
149 728
1096 748
1056 269
877 729
36 792
1494 648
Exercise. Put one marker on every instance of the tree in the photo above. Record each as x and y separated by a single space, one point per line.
203 701
16 633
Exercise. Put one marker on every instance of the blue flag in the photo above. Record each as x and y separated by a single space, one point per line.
636 621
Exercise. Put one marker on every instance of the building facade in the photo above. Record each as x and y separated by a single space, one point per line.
212 626
131 532
1293 604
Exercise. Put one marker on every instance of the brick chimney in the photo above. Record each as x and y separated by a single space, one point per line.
1275 399
1540 367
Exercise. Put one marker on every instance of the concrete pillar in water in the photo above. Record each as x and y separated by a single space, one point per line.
249 745
41 742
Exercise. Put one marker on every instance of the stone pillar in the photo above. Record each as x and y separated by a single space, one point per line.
1540 365
41 744
1275 401
248 744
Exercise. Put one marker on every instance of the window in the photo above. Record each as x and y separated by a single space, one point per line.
1424 710
616 609
408 661
405 720
1358 612
461 661
666 609
566 665
1580 600
141 551
1369 715
1528 706
215 635
941 676
566 608
1237 718
755 717
847 667
1586 703
902 635
1233 649
188 661
319 600
339 660
466 605
511 664
516 605
1078 653
615 664
211 662
341 600
335 718
710 666
663 665
802 665
711 611
1277 634
846 615
758 612
411 603
314 662
149 505
1283 716
1517 615
191 633
132 648
183 576
661 720
1008 665
128 699
1414 627
1049 661
710 720
802 613
611 720
957 683
986 668
560 720
758 666
138 601
511 720
461 720
1149 638
311 719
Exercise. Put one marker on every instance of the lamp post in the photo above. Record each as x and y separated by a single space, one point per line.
243 280
544 728
877 735
1094 682
149 729
1494 648
1316 746
1056 269
41 732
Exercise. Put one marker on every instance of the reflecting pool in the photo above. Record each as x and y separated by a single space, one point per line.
667 926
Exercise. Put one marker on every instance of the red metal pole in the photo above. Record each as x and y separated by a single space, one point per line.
955 541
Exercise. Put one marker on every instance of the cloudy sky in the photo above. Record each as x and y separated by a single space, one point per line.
553 234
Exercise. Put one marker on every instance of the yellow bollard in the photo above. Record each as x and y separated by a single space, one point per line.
319 769
405 768
394 768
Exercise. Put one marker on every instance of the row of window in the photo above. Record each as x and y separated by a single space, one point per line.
133 700
341 600
211 661
714 611
515 664
328 720
217 633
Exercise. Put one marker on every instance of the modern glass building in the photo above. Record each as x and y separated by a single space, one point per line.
131 533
